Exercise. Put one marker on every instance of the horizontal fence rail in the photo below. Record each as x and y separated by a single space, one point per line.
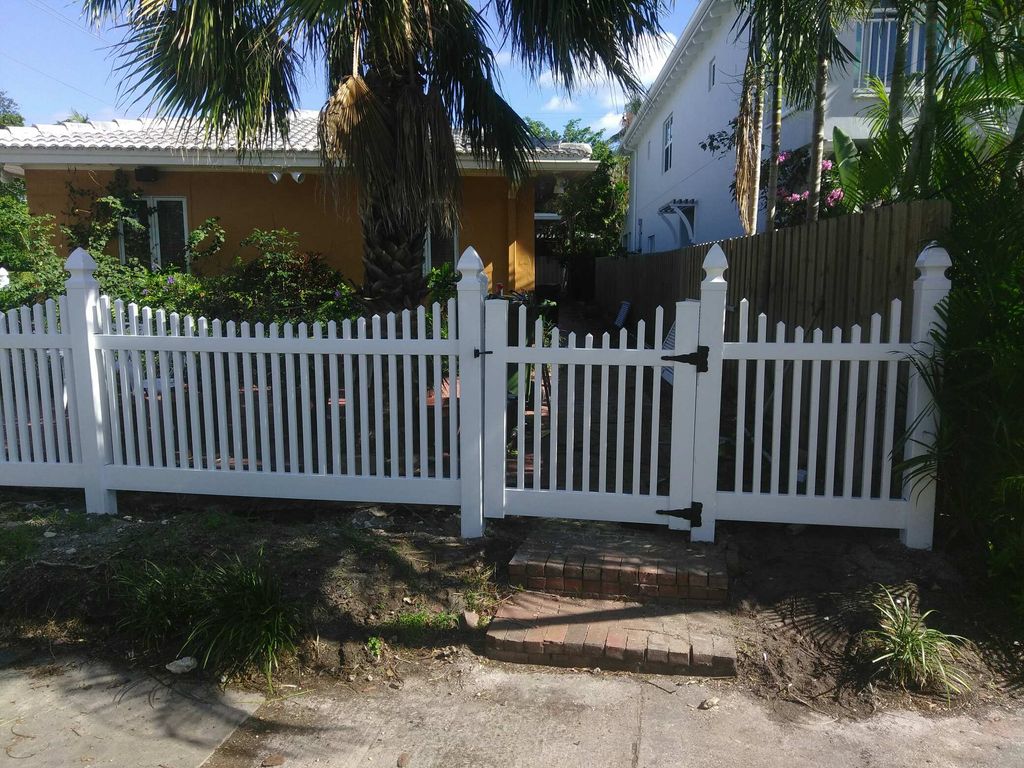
471 404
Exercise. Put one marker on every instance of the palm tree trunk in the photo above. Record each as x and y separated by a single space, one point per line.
919 164
818 135
898 87
393 277
755 198
771 193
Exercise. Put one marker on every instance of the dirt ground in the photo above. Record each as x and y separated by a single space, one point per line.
800 595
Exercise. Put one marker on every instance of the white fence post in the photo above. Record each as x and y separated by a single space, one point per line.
929 289
495 405
472 288
710 334
87 369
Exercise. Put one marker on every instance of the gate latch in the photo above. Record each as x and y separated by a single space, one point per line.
698 358
690 514
478 352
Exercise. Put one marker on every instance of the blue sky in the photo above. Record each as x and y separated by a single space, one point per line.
52 61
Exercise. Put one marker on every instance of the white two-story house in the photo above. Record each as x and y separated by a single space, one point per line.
679 193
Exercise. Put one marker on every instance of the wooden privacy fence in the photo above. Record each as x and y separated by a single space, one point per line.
834 272
461 405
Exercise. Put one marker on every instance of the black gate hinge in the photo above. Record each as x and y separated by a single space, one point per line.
690 514
698 358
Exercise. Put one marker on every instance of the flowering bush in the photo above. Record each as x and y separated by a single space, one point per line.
792 191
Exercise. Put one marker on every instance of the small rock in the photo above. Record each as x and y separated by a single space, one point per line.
272 760
164 522
351 678
407 600
396 685
595 671
70 551
469 619
49 534
377 512
711 703
369 678
183 665
127 517
404 759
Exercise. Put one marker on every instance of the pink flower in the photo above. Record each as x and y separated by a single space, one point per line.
794 198
783 157
834 197
805 195
826 165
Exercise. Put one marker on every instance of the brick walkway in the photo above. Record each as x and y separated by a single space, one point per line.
535 628
613 561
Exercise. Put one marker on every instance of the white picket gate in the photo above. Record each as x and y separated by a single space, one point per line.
447 409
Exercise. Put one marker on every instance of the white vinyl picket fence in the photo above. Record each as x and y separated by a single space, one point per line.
466 405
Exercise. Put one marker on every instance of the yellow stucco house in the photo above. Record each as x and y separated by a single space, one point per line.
186 180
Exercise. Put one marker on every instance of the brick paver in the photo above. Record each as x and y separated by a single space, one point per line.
538 628
618 562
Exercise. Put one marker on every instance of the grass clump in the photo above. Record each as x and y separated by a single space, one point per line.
910 654
231 615
17 543
414 627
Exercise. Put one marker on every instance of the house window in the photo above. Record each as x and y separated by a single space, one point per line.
160 238
650 243
876 43
666 144
648 150
438 249
712 73
639 233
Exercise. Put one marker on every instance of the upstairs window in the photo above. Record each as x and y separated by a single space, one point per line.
666 145
876 46
712 73
161 237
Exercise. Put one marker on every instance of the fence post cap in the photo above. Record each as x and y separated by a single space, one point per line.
80 261
472 268
470 262
715 263
933 262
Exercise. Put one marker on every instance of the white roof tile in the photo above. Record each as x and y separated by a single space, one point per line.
177 135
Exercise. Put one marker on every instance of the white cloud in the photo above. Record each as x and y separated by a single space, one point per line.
609 122
560 104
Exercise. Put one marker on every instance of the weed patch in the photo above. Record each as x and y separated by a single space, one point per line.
231 615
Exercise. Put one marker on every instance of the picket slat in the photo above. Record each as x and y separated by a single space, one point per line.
335 390
138 394
833 418
279 404
57 381
570 417
538 391
46 411
895 315
758 458
11 423
180 409
407 396
655 438
250 461
604 372
164 391
438 396
588 414
869 412
265 461
741 398
454 400
778 381
521 387
31 384
321 416
364 400
553 416
850 435
306 406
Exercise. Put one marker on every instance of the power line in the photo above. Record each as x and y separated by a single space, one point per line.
47 75
67 20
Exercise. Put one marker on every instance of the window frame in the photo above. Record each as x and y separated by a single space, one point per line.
155 261
666 143
428 254
712 73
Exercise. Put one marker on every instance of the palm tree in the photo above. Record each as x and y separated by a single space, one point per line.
778 47
828 16
402 75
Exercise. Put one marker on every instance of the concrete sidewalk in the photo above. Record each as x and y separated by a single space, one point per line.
485 714
74 712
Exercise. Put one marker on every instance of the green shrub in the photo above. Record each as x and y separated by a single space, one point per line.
910 654
231 615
